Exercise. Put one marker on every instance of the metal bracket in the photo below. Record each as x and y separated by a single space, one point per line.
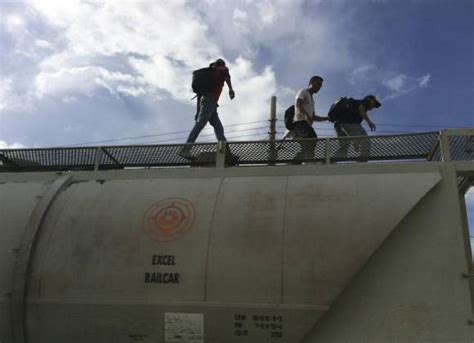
98 156
220 155
467 276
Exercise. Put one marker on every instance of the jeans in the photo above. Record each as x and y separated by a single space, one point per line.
207 113
302 129
349 130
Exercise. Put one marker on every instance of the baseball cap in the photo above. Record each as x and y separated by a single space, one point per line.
372 97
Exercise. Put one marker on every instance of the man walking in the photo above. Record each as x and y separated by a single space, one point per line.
305 116
349 124
207 106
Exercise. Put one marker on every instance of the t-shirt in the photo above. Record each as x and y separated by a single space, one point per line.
308 105
220 73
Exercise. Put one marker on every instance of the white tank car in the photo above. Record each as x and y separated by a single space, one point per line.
336 253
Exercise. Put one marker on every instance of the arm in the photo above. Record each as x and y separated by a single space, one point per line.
229 84
318 118
363 113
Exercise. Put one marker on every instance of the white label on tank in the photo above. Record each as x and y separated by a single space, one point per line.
184 327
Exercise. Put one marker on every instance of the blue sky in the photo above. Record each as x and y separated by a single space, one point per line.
78 72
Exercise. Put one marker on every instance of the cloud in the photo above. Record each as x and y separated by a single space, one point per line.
161 45
267 12
361 73
135 59
87 81
396 84
402 84
253 93
14 23
424 80
41 43
163 42
9 99
15 145
369 76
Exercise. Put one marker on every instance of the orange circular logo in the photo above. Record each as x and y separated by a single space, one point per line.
168 220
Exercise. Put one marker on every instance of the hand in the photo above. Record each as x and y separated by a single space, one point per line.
231 94
372 126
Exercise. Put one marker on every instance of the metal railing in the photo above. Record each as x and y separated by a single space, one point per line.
446 145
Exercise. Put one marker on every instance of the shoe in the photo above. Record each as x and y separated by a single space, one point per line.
185 153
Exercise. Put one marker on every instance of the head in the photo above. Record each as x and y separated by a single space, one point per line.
219 62
315 84
371 102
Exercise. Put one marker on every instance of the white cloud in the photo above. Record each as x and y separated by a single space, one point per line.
424 80
86 81
253 93
165 42
396 83
362 73
402 84
59 12
15 145
267 12
239 18
41 43
9 99
370 76
14 23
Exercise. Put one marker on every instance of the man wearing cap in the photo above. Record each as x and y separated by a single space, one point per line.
207 107
350 125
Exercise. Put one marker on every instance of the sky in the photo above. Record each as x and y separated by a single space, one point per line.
119 72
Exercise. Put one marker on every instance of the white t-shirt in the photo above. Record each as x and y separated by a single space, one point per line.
308 105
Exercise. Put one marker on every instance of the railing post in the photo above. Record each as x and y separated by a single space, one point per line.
327 150
444 146
98 157
220 154
272 132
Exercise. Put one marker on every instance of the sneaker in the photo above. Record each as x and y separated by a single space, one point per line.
185 153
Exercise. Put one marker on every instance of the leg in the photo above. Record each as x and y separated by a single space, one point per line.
215 121
207 107
218 128
362 145
303 130
310 146
343 143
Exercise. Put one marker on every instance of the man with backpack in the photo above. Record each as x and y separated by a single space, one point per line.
347 115
208 84
305 116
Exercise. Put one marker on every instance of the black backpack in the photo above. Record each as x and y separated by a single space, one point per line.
341 109
203 81
289 117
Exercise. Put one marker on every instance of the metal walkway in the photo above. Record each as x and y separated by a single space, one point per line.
446 145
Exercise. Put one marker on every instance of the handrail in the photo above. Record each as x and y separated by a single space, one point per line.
446 145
